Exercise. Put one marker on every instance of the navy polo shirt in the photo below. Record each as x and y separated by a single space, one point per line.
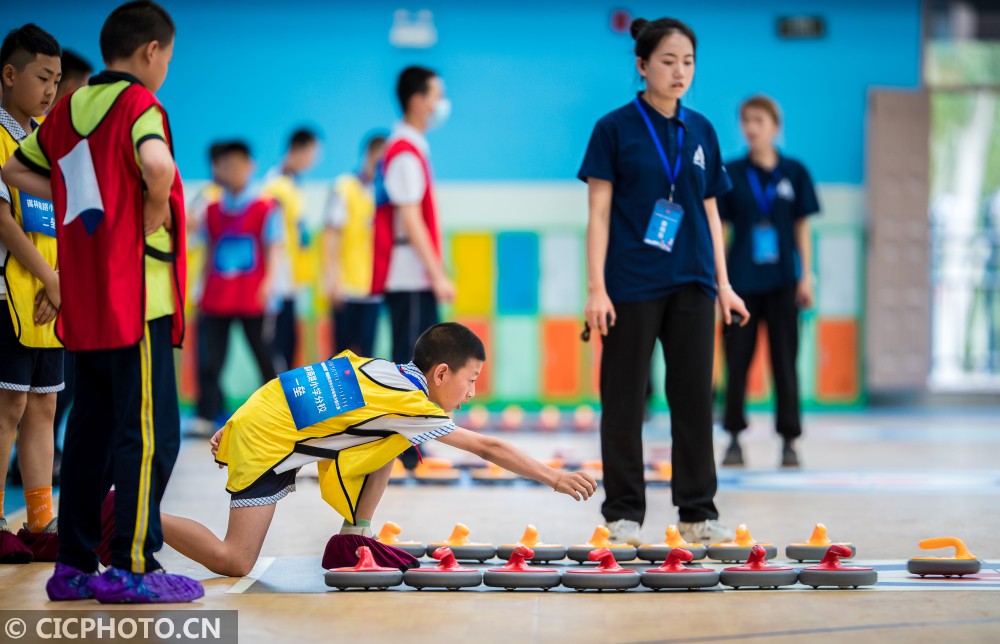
795 199
621 151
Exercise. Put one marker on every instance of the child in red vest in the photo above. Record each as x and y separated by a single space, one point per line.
243 231
104 157
408 268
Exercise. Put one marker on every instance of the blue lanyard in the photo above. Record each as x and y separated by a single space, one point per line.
764 198
675 171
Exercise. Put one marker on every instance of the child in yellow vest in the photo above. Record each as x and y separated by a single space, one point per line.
350 215
31 357
352 416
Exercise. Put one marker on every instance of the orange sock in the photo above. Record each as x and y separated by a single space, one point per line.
39 502
1 501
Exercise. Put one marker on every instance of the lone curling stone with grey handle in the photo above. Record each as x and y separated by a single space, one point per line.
962 563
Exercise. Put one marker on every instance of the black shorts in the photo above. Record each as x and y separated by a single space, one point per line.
267 490
39 371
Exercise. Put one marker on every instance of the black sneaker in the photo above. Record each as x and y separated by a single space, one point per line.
789 458
734 454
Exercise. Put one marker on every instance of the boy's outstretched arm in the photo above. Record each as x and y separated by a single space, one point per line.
578 485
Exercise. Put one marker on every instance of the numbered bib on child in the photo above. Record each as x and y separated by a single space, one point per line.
321 391
664 224
236 254
765 244
37 215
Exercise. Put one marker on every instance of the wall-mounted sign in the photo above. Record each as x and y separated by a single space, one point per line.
801 27
413 30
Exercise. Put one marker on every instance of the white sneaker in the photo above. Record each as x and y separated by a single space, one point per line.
624 531
706 532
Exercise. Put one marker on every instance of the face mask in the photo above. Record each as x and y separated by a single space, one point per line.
441 113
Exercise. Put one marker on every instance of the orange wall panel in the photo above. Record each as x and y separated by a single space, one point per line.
560 358
838 377
482 329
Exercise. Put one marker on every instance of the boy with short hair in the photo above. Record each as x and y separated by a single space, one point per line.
243 233
353 416
104 157
31 357
350 215
76 72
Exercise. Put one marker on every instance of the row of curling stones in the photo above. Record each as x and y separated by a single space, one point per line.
608 575
960 564
757 573
735 551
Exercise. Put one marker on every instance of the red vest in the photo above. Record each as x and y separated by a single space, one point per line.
236 263
98 197
385 214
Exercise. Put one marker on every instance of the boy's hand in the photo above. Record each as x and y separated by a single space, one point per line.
154 215
214 443
48 301
579 485
45 309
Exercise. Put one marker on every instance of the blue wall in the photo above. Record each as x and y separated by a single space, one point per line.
527 79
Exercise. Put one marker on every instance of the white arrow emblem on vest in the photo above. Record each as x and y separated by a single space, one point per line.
83 194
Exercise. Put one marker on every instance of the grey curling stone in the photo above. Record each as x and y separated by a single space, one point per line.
375 579
841 578
739 553
585 580
701 579
759 579
943 567
581 554
478 553
656 553
543 554
415 549
511 580
812 553
429 578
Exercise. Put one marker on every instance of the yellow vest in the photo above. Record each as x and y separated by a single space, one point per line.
262 436
283 190
22 285
356 237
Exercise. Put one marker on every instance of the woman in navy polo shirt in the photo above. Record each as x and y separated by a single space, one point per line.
768 208
655 267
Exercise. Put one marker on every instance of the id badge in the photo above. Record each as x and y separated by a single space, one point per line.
664 224
37 215
765 244
234 255
321 391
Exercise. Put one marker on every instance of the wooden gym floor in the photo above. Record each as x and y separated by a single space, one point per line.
883 480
